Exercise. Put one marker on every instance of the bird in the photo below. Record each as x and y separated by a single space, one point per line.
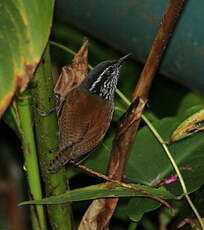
86 113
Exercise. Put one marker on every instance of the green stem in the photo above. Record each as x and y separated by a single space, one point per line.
148 224
60 216
24 116
133 226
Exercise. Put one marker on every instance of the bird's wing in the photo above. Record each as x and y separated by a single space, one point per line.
72 124
99 122
83 122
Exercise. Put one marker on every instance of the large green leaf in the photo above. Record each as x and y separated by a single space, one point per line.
148 163
137 207
24 31
100 191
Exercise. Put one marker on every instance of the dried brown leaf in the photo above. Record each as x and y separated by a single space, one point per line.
72 75
89 220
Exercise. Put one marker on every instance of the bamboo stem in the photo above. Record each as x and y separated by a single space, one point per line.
24 116
60 216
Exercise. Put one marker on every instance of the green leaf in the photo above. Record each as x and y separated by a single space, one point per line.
100 191
190 100
24 31
10 117
137 207
193 124
148 163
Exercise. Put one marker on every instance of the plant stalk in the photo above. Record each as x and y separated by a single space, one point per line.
60 216
133 226
24 116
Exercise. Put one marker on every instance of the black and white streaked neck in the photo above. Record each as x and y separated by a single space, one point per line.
103 79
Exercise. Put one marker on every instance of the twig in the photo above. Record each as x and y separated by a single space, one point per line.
93 172
122 143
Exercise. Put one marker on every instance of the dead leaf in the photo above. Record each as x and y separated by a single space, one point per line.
89 220
72 75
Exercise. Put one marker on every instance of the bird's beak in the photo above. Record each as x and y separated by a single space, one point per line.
122 59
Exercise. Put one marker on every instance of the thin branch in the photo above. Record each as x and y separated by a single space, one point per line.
93 172
122 143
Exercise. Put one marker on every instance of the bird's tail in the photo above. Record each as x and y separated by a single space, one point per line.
60 160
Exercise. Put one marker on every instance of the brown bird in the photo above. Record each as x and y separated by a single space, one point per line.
85 115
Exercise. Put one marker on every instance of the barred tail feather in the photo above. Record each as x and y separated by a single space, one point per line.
58 162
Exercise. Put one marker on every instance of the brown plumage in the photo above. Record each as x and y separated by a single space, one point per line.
80 129
85 114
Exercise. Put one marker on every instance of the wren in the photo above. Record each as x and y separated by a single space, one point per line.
86 113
